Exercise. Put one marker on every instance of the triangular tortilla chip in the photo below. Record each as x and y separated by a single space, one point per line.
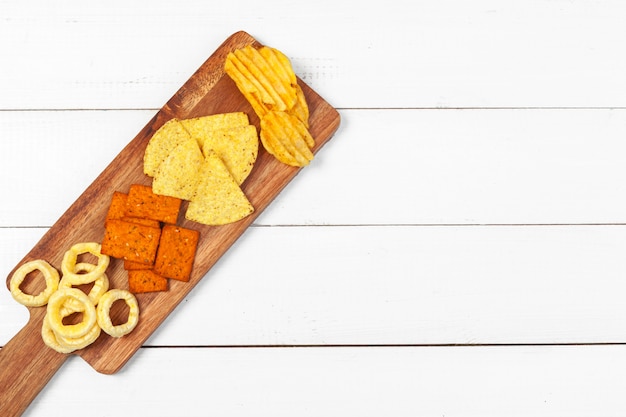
177 176
238 148
166 138
199 127
218 199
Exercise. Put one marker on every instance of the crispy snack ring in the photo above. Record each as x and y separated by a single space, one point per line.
104 307
68 265
50 274
64 344
56 315
50 338
76 343
100 285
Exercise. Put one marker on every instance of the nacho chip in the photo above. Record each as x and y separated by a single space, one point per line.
176 253
238 148
218 199
142 281
199 127
130 241
177 175
166 138
142 202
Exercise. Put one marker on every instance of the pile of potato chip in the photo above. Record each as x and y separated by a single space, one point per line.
204 160
266 79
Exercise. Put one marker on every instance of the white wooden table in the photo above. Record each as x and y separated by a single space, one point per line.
457 249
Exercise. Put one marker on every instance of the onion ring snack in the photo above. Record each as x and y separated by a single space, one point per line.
50 338
104 307
76 343
100 284
55 315
50 274
68 265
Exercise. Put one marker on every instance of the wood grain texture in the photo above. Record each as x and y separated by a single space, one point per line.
207 92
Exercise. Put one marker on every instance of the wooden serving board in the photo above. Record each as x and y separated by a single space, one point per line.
26 364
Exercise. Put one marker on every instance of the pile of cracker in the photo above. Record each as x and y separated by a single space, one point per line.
140 228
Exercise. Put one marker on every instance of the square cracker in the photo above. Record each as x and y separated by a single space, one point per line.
142 202
142 281
130 241
176 253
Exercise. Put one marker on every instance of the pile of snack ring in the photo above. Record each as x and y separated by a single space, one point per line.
63 299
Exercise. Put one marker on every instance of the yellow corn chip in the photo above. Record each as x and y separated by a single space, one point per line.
166 138
177 176
199 127
218 199
237 147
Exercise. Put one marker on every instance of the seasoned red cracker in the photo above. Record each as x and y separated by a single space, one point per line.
117 208
177 250
145 222
133 266
142 202
130 241
141 281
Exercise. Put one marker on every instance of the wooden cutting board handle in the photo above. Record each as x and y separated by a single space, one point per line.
26 366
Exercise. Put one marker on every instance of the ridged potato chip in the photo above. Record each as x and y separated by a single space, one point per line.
281 127
267 80
265 75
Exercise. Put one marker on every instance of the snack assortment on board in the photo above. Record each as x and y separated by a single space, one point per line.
62 299
266 79
203 160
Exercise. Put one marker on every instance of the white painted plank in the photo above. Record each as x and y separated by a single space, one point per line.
498 166
455 381
487 53
395 285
